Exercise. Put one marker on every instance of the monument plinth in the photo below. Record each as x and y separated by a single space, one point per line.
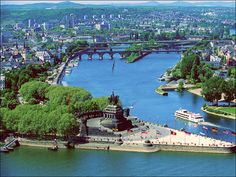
113 115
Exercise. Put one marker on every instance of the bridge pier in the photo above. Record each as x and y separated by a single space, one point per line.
111 55
80 57
90 56
101 56
122 55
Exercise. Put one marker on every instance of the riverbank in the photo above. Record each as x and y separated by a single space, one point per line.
220 113
134 58
161 92
196 91
170 87
155 138
90 146
136 146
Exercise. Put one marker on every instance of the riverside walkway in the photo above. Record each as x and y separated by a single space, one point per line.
160 138
162 135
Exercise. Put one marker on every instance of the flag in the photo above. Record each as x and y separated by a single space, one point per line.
172 132
113 66
205 128
226 132
233 133
203 134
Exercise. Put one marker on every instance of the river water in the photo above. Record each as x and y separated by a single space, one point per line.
135 84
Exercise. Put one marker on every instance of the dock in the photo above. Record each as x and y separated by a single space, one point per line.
10 145
171 87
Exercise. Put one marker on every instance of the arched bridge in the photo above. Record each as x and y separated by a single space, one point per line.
91 52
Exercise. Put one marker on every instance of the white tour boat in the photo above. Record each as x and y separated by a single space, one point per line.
190 116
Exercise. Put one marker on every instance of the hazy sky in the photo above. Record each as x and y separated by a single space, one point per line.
85 2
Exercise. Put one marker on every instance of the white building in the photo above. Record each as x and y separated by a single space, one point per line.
214 61
102 25
2 82
44 57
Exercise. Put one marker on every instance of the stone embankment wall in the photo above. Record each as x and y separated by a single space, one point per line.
182 148
38 143
129 148
141 56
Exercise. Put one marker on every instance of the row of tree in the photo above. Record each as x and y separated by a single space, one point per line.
192 69
56 112
15 78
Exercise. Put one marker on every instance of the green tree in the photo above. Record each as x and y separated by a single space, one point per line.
180 87
213 89
34 91
187 64
229 90
232 72
194 73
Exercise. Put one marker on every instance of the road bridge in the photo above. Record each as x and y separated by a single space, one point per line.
111 52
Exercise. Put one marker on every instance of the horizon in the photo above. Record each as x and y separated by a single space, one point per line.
7 2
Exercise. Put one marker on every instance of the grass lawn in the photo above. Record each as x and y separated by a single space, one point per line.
230 110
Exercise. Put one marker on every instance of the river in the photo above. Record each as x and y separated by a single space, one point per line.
135 84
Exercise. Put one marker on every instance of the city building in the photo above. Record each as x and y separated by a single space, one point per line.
103 25
44 57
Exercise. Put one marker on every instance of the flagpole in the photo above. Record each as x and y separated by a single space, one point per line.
68 103
185 138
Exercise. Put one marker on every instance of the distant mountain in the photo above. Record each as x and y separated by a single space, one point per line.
68 4
61 5
216 4
150 3
188 4
177 3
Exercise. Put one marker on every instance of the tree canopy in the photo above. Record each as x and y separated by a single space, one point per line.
213 89
57 113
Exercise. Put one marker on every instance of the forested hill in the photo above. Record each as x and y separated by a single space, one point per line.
68 4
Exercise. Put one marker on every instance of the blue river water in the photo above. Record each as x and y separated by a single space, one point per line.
135 84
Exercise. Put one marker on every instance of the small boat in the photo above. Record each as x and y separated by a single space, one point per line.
203 134
165 125
131 107
10 148
182 129
4 150
76 63
233 133
214 130
68 71
54 148
226 132
188 133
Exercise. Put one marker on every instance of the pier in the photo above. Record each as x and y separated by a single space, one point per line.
9 145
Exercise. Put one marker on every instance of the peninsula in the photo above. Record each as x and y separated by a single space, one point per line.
115 129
